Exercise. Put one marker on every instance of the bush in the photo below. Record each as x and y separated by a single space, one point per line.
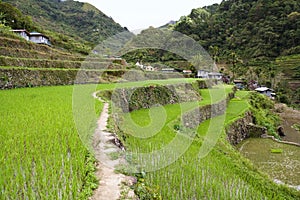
262 109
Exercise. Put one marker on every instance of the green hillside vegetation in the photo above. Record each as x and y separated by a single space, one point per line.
222 174
251 40
72 18
252 29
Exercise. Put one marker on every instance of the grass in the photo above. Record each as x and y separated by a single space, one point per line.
42 156
276 150
204 166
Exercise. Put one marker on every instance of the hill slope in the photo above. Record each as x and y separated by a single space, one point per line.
72 18
252 28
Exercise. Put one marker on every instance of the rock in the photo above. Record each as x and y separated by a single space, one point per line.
130 181
280 131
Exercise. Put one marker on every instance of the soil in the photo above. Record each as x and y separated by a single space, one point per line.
289 118
112 185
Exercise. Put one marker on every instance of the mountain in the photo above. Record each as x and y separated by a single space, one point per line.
170 23
78 20
255 40
251 28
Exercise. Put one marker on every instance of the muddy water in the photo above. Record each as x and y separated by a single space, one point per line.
289 118
284 167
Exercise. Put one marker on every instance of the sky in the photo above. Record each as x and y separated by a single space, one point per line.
139 14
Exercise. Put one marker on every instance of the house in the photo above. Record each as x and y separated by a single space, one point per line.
209 75
149 68
139 65
187 71
215 75
39 38
167 70
202 74
239 84
23 33
266 91
35 37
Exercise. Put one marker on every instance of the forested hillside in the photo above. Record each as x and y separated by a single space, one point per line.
251 28
249 38
72 18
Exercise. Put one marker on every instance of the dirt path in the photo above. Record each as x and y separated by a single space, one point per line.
111 183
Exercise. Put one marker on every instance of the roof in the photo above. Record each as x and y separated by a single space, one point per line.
37 34
239 81
202 70
263 89
21 30
215 74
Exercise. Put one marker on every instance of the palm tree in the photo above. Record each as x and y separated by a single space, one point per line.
233 60
214 51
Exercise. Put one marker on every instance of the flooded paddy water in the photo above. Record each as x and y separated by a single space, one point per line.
280 161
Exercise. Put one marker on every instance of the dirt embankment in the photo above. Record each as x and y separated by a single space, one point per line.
289 117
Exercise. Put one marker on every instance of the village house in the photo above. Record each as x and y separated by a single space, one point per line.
39 38
187 71
202 74
266 91
239 84
215 75
167 70
35 37
139 65
209 75
23 33
149 68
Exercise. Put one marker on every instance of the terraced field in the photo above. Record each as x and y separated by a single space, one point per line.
24 64
221 173
43 157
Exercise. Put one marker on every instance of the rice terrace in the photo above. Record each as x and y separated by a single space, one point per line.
191 110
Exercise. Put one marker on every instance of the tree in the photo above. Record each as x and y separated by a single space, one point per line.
233 59
214 51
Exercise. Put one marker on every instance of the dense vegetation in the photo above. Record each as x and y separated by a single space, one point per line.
73 18
251 28
71 25
246 36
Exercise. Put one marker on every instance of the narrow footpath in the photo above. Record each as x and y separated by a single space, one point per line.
112 185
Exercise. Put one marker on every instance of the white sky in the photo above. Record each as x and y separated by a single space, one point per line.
139 14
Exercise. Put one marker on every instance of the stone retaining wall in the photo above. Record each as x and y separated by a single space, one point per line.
243 128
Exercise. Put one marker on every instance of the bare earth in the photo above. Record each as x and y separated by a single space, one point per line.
290 117
111 184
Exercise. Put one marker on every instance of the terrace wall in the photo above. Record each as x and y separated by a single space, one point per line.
243 128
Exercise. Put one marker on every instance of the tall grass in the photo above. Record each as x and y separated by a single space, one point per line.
41 154
222 174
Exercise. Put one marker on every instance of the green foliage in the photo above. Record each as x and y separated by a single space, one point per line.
44 156
145 192
276 150
222 174
261 107
12 17
71 18
253 29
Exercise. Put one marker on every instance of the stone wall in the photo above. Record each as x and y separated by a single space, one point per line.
16 78
243 128
130 99
195 117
